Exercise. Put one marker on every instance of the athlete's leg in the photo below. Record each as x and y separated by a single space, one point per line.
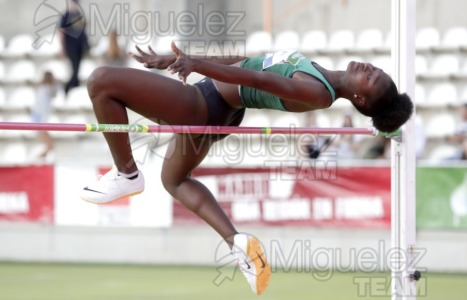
156 97
163 100
183 155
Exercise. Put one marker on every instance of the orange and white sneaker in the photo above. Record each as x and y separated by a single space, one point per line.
252 261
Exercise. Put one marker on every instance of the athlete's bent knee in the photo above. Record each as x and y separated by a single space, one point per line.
97 81
170 185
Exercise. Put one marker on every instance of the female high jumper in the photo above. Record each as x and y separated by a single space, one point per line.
285 81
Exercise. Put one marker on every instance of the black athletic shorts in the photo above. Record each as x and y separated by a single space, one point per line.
220 113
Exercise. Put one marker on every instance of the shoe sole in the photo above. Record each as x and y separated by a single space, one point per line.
114 200
263 270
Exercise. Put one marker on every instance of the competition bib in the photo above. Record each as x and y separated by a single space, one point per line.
282 57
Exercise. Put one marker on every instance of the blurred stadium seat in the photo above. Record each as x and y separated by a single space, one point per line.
100 47
340 104
86 68
21 71
463 95
2 44
2 71
287 120
313 41
2 97
420 94
462 74
259 42
427 38
443 66
288 39
19 45
78 99
103 43
15 153
341 40
21 98
421 65
383 62
194 77
386 45
368 40
442 94
49 49
256 118
324 61
323 120
464 68
440 125
453 39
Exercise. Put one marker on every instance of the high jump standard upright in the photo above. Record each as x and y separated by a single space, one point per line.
403 161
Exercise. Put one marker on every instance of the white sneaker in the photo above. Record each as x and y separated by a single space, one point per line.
252 261
111 187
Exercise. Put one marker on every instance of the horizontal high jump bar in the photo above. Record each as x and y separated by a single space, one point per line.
139 128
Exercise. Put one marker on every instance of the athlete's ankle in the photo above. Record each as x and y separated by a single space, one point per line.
230 240
129 175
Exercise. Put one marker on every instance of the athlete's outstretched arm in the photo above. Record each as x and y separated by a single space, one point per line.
152 60
301 91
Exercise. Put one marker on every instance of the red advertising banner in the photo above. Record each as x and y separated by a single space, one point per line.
27 194
321 197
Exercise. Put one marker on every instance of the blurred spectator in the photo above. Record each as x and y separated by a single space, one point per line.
45 92
317 143
74 40
379 148
114 56
345 145
459 138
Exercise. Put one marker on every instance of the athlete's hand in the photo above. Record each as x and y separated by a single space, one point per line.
151 60
184 65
